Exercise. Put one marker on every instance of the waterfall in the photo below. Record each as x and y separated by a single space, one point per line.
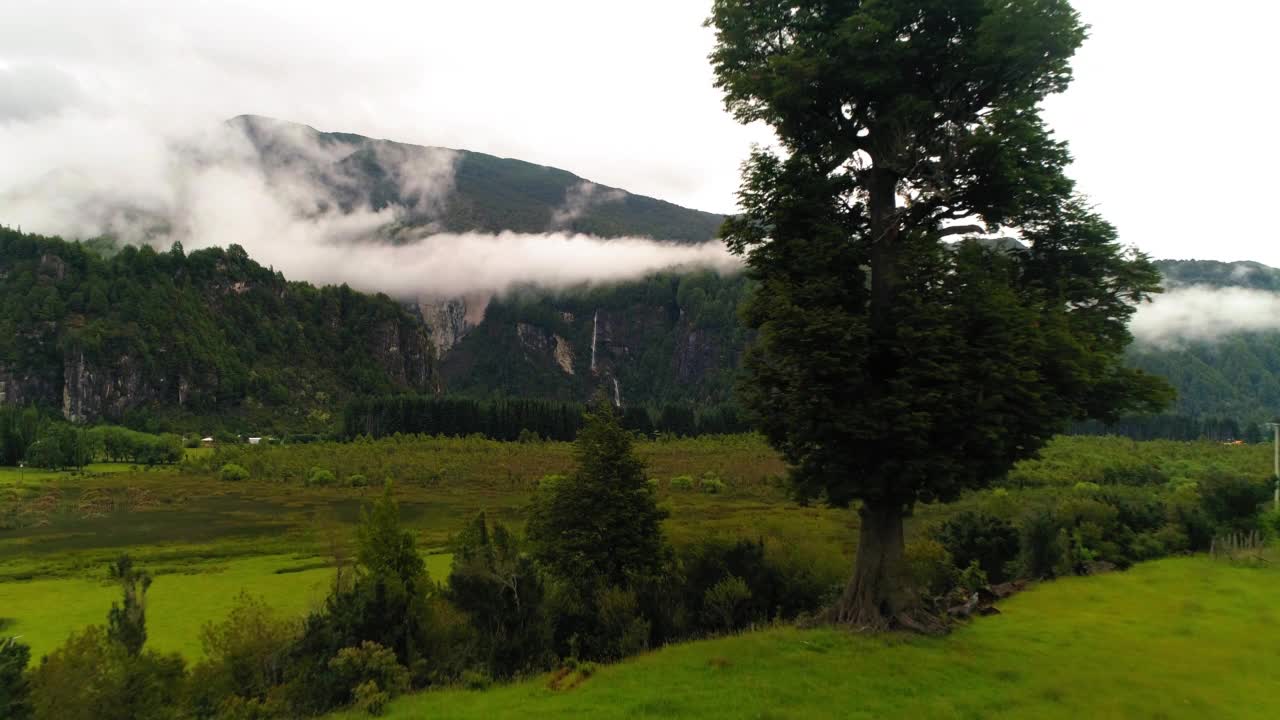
595 325
617 393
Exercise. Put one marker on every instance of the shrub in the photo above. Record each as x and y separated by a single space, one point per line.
1270 522
1041 549
358 481
930 566
13 683
476 680
973 578
983 538
726 603
320 477
371 699
92 678
1233 501
620 629
528 436
681 482
233 473
711 484
367 663
245 656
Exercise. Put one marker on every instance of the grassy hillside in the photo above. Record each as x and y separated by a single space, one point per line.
1178 638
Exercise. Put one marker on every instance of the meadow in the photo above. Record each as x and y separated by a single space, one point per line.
1174 638
273 535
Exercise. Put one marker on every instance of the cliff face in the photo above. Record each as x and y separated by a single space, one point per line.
635 344
206 333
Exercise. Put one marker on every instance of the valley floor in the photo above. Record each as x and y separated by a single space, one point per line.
1177 638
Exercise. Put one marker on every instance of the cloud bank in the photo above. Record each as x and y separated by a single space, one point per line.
291 199
1200 313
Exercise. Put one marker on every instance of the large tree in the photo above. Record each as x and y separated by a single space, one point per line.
933 300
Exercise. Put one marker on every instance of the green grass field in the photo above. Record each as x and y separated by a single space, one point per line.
179 603
1177 638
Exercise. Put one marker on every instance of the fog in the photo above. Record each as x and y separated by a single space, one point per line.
296 209
1200 313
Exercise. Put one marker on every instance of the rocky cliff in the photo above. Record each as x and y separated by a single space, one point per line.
207 333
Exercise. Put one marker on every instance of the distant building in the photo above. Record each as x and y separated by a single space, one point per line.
255 440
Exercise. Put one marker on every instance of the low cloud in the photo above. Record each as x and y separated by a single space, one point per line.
1200 313
581 198
303 204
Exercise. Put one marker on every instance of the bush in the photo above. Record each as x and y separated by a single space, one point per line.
620 629
320 477
476 680
681 482
245 656
370 663
371 699
233 473
13 683
726 603
1041 549
930 566
979 537
973 578
92 678
1270 522
1233 502
711 484
358 481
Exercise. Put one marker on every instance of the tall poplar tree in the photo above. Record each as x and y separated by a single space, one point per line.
933 300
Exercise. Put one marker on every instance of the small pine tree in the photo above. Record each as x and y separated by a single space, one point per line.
127 623
602 524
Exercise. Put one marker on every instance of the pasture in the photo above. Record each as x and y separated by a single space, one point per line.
205 539
1174 638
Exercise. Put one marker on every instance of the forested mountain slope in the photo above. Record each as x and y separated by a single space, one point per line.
212 332
460 190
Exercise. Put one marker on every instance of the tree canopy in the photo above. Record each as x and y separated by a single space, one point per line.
891 365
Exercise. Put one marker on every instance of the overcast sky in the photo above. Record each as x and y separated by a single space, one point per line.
1171 118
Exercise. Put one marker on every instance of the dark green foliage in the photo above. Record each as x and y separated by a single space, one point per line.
520 419
601 526
976 537
891 367
500 590
668 338
127 623
388 604
1041 545
244 662
14 692
1233 502
93 678
773 588
210 331
597 534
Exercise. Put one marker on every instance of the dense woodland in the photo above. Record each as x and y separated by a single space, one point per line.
257 353
378 417
205 333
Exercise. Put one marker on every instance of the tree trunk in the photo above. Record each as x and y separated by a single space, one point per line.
880 595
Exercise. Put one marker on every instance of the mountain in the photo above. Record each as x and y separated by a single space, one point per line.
448 190
144 334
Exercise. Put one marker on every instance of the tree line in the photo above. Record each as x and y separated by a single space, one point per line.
31 437
522 418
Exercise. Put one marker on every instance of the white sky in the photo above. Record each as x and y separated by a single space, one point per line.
1172 117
